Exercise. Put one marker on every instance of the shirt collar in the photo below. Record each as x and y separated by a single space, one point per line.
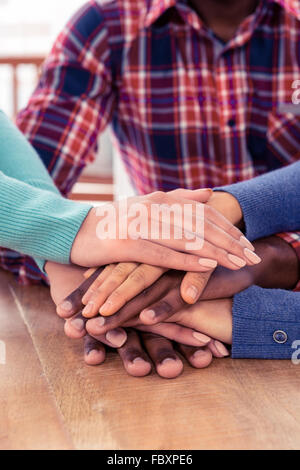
291 6
156 8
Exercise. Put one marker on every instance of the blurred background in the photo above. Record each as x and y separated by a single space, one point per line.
27 32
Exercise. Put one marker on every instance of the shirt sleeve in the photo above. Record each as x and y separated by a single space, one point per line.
35 219
38 222
266 323
270 203
74 99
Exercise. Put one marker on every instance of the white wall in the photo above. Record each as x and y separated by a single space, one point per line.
29 27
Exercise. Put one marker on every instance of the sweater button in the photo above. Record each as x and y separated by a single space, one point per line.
280 336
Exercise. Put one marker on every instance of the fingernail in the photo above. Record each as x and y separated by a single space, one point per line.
116 337
237 261
100 321
168 359
66 306
78 324
208 263
150 314
253 257
221 348
244 241
207 189
137 360
92 351
192 292
202 338
106 308
199 353
86 298
88 309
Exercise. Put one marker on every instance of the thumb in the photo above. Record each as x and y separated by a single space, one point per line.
193 284
198 195
89 273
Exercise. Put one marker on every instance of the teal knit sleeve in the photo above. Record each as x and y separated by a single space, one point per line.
35 219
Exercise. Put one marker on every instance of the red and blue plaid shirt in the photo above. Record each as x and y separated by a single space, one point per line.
186 109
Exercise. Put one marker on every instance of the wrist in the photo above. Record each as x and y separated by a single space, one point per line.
85 239
50 267
279 266
228 206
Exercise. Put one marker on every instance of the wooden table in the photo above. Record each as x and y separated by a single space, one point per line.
49 399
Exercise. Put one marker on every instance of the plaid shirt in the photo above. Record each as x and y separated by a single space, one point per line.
186 109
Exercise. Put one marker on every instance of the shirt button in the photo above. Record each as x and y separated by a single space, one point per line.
280 336
231 122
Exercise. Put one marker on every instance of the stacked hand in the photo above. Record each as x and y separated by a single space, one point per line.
143 345
141 309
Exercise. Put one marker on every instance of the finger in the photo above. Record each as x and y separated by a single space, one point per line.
89 273
167 362
198 358
93 289
201 358
115 338
214 216
101 325
73 303
164 308
200 211
208 223
140 279
177 333
99 291
193 284
75 328
226 283
209 254
94 351
157 253
218 349
219 237
200 195
211 317
135 360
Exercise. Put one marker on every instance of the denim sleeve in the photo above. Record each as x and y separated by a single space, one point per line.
266 323
270 203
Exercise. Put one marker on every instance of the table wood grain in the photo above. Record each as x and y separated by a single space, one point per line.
49 399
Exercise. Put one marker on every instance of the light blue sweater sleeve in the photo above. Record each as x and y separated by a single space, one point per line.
266 322
35 219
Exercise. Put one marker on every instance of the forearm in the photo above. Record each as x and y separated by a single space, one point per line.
37 222
279 269
35 219
269 203
281 265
